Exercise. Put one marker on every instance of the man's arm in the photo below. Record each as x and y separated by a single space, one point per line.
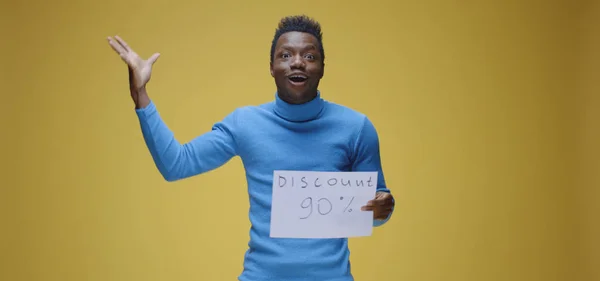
367 157
177 161
173 159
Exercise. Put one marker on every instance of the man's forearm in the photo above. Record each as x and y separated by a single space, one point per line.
177 160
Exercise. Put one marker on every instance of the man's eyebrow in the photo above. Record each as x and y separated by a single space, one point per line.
288 46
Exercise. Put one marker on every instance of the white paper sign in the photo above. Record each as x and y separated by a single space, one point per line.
309 204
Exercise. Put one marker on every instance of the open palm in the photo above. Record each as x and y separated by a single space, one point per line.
140 70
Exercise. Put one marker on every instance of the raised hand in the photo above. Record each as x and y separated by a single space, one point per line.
140 70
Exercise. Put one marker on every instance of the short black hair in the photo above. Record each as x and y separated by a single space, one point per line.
300 23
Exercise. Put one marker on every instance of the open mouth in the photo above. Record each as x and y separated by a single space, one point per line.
297 79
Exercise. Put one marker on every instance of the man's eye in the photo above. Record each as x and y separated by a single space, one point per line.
309 56
285 56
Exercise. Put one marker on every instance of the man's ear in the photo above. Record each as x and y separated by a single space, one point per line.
322 70
271 69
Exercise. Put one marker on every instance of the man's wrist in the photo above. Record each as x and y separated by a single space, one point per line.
140 97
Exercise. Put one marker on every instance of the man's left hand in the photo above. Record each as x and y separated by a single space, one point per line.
381 206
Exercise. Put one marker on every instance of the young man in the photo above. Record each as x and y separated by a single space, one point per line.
299 130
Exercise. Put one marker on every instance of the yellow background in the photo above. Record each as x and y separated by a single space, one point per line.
488 114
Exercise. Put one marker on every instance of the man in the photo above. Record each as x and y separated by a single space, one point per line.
299 130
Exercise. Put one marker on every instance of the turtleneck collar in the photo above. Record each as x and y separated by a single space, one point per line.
299 112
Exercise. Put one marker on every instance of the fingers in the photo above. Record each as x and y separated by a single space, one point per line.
379 202
383 196
119 45
382 205
379 213
120 49
373 204
123 43
123 49
377 208
382 213
153 58
116 46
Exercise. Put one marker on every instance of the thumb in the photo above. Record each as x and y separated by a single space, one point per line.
153 58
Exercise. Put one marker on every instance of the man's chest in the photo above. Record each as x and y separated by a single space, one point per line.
309 150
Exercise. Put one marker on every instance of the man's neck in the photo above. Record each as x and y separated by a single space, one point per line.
290 100
299 112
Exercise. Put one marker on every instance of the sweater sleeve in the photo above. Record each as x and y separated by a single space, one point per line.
175 160
367 157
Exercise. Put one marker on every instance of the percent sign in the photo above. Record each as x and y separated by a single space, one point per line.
324 206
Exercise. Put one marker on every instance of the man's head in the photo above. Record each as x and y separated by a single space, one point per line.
297 58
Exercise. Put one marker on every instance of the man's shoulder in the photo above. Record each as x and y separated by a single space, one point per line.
353 118
245 115
251 109
346 113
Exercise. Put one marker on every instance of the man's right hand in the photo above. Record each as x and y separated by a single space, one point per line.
140 70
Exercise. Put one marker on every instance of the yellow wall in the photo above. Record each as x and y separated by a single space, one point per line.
473 102
589 142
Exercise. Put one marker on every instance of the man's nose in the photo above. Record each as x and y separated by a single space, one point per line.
297 62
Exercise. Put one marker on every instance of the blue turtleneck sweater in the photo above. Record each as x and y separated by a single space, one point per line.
315 136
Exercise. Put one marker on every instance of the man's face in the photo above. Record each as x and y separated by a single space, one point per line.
297 66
